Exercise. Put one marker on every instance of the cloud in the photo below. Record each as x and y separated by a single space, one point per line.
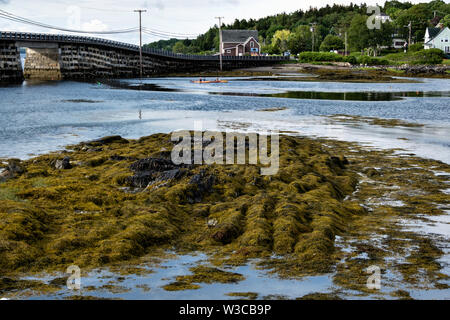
155 4
4 1
224 3
94 25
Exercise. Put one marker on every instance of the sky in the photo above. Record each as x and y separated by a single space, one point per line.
177 17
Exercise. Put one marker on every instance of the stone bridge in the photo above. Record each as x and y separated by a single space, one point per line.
56 57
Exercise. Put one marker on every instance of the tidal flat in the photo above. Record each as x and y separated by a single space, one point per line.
139 226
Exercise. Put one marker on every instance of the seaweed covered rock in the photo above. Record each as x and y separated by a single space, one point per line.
63 164
203 184
88 217
151 171
13 169
106 140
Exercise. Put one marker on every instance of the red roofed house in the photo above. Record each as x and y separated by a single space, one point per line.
240 43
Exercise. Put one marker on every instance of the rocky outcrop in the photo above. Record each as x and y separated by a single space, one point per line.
438 70
105 141
203 183
63 164
12 170
153 170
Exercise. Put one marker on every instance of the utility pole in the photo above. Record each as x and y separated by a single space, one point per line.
313 29
410 31
140 39
346 44
220 41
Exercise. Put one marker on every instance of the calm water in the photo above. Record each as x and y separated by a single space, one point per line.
41 117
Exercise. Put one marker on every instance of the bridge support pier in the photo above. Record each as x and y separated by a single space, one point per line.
10 64
43 64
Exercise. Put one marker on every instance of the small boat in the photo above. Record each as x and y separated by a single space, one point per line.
209 81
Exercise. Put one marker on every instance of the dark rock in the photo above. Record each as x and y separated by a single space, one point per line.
106 140
120 158
337 162
204 184
372 172
140 179
13 169
59 282
225 233
425 69
153 170
117 158
63 164
167 175
93 177
153 164
143 179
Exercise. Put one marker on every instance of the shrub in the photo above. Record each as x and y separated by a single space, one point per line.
430 56
416 47
320 56
351 59
398 57
356 54
372 61
390 50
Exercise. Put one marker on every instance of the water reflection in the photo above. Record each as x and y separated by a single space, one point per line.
310 95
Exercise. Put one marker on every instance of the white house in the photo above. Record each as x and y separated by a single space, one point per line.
397 42
436 38
383 17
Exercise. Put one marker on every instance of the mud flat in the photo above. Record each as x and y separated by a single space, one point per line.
346 73
333 210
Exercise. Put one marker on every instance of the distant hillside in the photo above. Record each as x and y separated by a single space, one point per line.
292 31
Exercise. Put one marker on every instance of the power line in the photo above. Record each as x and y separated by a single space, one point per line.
172 33
158 35
155 33
9 16
166 35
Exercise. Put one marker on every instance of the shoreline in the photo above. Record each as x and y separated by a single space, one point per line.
402 143
320 72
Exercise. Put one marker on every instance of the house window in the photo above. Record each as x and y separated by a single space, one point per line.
228 51
447 49
252 44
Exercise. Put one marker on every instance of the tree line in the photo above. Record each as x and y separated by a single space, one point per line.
325 29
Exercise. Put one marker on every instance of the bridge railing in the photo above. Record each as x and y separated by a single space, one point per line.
43 37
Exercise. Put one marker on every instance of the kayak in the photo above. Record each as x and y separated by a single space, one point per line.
210 81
